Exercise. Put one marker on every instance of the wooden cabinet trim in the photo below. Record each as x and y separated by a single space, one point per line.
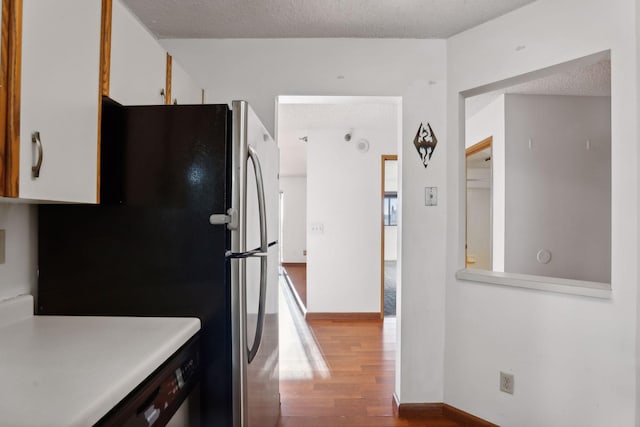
105 47
105 75
167 91
4 66
13 85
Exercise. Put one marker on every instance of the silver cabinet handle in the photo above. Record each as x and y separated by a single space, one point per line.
264 247
35 138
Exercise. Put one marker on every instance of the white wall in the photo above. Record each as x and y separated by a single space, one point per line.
421 257
637 142
489 122
294 233
558 193
574 358
184 89
138 62
18 273
479 219
343 270
259 70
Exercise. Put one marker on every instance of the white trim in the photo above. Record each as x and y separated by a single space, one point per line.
304 99
541 283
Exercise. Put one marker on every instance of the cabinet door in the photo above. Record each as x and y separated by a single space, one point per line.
59 99
184 89
138 62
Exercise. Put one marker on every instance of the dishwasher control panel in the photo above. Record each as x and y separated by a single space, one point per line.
154 402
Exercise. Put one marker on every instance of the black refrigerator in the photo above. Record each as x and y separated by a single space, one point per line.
186 226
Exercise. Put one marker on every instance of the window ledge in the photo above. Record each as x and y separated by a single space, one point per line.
550 284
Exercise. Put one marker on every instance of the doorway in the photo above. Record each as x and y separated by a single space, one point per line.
389 235
478 248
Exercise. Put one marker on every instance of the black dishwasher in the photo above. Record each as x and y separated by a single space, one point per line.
156 399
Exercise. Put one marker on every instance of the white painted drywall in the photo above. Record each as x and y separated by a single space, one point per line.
260 70
574 358
422 246
343 269
479 219
18 273
294 233
637 423
184 90
138 62
489 122
558 193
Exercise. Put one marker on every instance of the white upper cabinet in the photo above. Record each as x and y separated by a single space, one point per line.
59 100
138 62
184 89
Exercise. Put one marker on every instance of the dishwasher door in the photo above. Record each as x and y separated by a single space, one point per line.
157 400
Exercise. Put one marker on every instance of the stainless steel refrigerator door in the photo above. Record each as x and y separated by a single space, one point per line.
255 273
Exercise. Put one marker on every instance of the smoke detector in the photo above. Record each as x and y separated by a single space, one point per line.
362 145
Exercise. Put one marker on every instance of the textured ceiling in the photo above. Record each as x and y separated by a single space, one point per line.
316 18
589 80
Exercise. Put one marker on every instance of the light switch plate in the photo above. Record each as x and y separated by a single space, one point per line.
2 246
431 196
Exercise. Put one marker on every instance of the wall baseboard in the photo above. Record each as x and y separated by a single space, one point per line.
464 418
343 316
437 410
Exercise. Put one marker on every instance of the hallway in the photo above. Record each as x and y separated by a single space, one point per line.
338 373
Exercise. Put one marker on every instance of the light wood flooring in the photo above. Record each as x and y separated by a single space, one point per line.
338 373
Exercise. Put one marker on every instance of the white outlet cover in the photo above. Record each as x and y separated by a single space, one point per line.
506 382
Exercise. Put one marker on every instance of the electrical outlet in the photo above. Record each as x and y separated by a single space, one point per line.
506 382
304 252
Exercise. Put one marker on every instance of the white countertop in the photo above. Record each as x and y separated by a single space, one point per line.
71 370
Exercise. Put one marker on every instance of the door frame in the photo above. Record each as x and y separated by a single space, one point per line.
475 148
383 158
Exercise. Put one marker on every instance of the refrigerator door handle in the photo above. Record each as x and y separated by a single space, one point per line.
253 155
251 352
264 247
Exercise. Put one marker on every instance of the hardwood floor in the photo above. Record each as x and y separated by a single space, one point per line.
338 373
297 273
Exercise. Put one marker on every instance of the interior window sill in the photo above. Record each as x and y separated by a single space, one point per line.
549 284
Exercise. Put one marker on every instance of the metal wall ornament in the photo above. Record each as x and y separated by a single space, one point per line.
425 142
